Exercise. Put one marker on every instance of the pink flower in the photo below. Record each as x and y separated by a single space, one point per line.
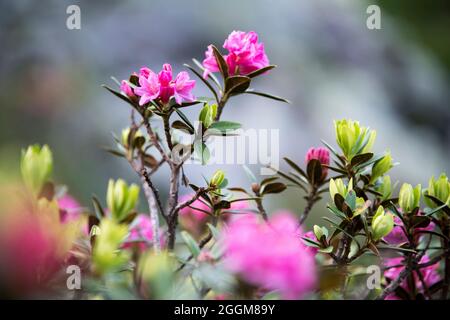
141 233
210 62
149 88
270 255
245 54
183 87
430 274
69 208
166 89
321 154
239 207
397 235
162 86
125 88
193 220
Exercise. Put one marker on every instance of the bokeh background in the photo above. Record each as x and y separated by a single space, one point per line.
395 80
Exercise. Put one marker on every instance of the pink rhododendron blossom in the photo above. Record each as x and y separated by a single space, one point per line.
163 86
69 208
141 233
397 235
183 86
245 54
270 255
149 88
321 154
238 208
430 274
192 220
125 88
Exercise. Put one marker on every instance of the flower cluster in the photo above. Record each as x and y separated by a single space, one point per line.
161 86
245 54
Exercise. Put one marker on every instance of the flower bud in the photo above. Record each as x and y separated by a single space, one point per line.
381 167
321 154
208 114
217 178
409 197
382 224
126 89
352 138
105 254
128 140
439 189
121 198
36 166
385 188
338 187
319 232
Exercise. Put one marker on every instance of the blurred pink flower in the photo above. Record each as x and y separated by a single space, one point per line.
141 234
245 54
270 255
29 254
163 86
321 154
430 274
193 220
70 209
397 235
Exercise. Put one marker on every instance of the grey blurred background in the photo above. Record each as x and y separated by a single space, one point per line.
330 66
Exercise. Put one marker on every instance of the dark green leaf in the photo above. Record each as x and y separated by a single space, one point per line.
267 95
361 158
260 71
185 119
275 187
295 167
236 84
314 171
180 125
223 67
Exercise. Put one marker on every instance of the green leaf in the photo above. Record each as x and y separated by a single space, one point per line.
260 71
202 152
445 208
295 167
184 118
268 180
224 126
191 243
214 231
267 95
326 250
97 208
119 95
